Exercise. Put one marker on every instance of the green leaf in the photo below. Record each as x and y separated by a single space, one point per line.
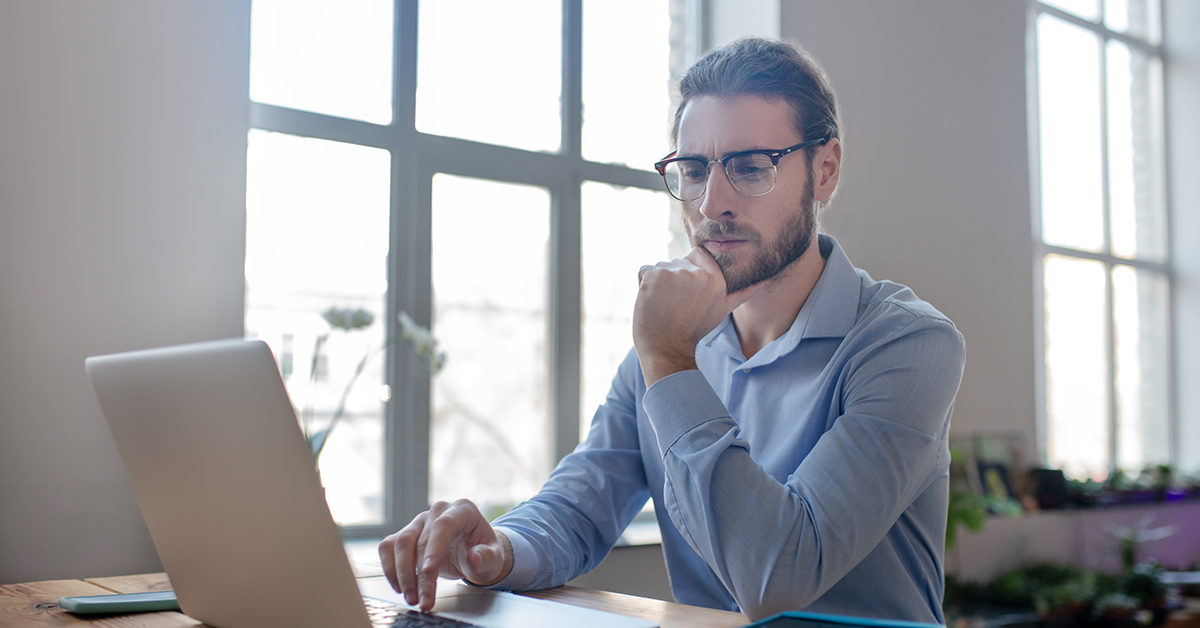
974 519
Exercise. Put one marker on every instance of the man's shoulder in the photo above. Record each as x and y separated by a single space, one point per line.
889 306
868 302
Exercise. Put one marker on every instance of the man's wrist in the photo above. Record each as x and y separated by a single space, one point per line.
506 553
655 368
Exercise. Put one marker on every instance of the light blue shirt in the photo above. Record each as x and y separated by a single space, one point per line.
812 476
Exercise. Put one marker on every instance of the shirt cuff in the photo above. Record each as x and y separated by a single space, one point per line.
680 402
524 563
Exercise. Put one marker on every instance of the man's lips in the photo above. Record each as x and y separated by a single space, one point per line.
723 245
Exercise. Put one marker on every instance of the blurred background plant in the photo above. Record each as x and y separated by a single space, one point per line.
1066 596
1129 539
1051 589
423 344
349 320
968 509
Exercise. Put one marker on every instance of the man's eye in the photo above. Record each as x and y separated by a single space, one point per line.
694 173
748 166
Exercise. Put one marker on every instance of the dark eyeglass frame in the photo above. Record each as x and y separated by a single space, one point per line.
775 156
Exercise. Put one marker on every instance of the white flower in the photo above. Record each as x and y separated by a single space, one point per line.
423 343
348 319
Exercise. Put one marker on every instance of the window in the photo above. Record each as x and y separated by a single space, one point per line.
1101 230
488 172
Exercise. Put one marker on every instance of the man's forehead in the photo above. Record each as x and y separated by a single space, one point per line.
712 125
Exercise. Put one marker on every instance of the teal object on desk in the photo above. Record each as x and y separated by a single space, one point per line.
799 619
121 603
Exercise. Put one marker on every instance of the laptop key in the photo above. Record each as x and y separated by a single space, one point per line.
387 615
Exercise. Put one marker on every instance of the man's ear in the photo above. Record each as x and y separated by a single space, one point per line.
827 168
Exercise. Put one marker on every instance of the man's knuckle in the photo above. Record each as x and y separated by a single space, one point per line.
450 517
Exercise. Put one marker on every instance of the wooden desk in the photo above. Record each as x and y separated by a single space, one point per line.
35 604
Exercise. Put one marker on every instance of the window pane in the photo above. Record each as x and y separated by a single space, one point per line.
1077 399
626 81
1135 154
649 229
491 429
1141 329
491 73
1069 121
316 238
323 56
1139 18
1087 9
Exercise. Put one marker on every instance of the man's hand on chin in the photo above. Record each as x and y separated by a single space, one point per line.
678 303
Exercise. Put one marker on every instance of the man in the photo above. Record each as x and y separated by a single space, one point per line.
787 414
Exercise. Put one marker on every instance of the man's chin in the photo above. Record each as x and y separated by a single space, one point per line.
738 281
739 284
735 278
750 274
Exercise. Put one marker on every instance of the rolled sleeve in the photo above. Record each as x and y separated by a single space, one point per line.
525 563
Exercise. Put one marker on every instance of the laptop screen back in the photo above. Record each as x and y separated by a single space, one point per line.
227 485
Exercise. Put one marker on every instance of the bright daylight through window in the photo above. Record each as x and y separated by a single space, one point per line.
502 200
1104 269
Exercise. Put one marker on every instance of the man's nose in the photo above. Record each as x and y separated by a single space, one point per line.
720 199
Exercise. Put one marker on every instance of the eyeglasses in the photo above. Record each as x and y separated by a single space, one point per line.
751 172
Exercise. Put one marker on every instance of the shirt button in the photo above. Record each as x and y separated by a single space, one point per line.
746 370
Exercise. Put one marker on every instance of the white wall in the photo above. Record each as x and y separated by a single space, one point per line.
122 195
935 184
727 20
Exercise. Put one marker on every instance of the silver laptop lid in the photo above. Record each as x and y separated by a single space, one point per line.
227 485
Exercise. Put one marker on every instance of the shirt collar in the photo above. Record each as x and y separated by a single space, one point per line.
829 311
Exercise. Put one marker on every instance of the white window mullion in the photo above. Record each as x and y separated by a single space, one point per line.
564 289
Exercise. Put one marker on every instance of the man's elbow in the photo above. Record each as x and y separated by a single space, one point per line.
758 609
772 599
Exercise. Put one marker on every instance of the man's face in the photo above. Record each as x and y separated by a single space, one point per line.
752 238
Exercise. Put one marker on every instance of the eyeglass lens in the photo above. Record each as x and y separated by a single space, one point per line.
752 174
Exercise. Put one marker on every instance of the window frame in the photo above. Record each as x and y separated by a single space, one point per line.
416 157
1041 250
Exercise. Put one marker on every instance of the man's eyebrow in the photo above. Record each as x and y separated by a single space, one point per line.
752 147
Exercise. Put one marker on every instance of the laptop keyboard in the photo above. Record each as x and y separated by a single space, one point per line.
384 614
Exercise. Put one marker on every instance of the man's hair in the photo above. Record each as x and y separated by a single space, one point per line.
771 70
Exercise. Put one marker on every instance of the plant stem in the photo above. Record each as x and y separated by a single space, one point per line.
341 407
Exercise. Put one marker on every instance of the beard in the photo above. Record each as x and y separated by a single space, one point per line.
793 240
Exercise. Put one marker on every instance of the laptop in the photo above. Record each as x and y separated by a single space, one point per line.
230 494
